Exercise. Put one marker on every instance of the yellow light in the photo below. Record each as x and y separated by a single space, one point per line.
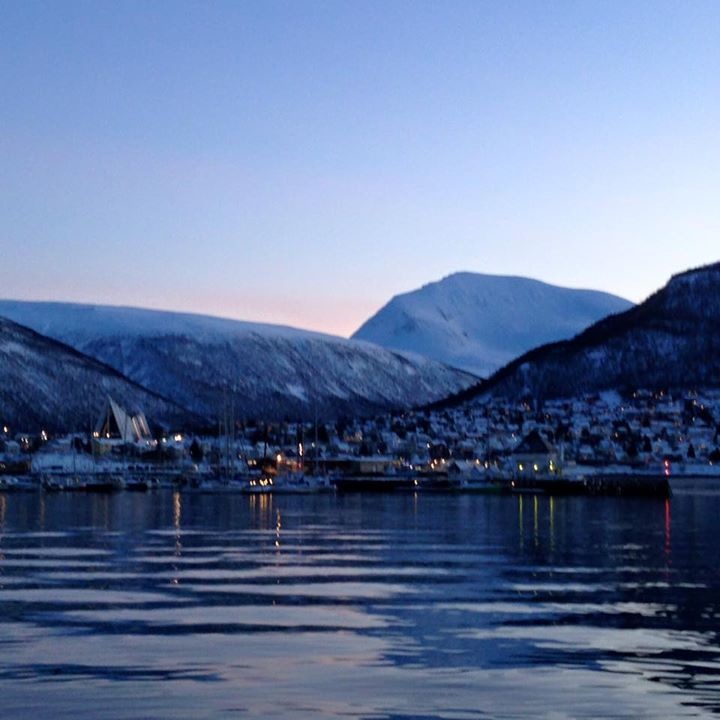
521 467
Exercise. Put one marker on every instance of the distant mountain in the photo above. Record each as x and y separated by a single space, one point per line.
47 385
270 371
481 322
670 341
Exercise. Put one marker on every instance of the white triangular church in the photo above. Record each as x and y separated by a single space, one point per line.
115 422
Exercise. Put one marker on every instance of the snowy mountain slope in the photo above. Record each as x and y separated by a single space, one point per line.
480 322
270 371
48 385
671 340
80 322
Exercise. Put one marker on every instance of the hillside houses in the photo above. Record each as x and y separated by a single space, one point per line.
641 431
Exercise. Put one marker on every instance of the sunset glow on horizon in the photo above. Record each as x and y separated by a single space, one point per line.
302 163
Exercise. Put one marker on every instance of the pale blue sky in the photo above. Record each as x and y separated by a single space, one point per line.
302 162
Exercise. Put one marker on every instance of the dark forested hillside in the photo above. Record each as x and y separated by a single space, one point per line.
672 340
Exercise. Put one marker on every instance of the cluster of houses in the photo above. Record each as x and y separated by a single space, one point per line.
654 431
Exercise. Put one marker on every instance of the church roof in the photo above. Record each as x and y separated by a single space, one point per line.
115 420
533 444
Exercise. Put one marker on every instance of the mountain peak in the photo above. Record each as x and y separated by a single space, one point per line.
479 322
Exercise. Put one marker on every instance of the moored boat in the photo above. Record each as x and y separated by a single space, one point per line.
294 483
81 482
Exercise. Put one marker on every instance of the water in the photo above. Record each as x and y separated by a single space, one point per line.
374 606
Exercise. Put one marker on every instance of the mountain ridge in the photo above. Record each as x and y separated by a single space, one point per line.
270 371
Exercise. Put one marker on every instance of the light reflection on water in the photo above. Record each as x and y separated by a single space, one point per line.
396 606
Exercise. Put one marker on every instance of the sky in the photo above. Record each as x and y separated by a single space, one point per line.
302 162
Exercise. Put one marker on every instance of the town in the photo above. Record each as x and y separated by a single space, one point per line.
489 443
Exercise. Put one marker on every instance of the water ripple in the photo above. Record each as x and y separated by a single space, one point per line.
380 607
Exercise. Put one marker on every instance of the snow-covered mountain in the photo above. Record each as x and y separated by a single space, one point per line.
270 371
48 385
670 341
481 322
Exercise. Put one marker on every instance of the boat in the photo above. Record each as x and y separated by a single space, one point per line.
136 484
292 483
12 483
480 485
81 482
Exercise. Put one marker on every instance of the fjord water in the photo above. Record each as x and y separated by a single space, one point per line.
164 605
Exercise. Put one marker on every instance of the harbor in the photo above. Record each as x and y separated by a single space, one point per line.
619 484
